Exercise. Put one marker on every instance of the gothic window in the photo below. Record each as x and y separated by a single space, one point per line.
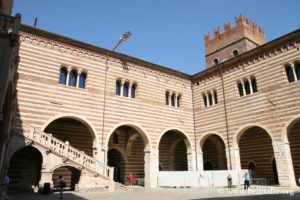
118 87
167 98
63 76
133 89
210 101
297 68
215 96
82 79
247 87
73 78
125 89
173 100
240 88
178 100
204 100
253 83
290 74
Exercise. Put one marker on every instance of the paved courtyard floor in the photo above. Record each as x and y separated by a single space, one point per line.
256 193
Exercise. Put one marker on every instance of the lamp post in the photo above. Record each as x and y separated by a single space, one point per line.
123 38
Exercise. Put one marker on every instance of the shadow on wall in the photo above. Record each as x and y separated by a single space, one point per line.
30 196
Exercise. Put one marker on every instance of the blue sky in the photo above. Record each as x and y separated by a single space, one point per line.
165 32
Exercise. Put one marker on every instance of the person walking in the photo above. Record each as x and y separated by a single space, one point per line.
62 184
5 183
247 181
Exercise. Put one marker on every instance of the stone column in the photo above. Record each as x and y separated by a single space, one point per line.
285 170
122 88
151 168
244 90
294 71
129 90
190 162
200 161
207 99
77 80
169 99
250 84
68 76
235 158
176 95
213 98
46 177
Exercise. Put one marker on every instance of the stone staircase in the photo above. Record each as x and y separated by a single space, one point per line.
63 150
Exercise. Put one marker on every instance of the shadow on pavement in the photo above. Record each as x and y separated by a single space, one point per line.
257 197
51 196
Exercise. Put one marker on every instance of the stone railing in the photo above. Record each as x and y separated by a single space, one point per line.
9 24
62 149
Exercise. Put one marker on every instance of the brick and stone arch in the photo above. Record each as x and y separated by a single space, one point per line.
174 150
71 174
256 145
75 130
24 169
128 155
293 137
213 152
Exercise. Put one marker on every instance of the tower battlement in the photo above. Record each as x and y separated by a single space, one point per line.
244 29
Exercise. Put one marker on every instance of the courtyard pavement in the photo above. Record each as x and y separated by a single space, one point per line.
255 193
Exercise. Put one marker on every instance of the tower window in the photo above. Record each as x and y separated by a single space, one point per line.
173 100
167 98
133 89
125 89
297 68
235 52
216 61
118 87
204 100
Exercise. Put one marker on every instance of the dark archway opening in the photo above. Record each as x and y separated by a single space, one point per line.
294 140
130 142
73 131
25 169
214 151
71 177
173 152
256 145
115 160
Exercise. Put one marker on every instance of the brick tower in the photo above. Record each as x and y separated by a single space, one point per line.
236 40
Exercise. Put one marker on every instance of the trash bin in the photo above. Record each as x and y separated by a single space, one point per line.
46 189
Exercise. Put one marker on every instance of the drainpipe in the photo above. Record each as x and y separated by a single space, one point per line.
194 121
226 118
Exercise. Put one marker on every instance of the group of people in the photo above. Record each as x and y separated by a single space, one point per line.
246 181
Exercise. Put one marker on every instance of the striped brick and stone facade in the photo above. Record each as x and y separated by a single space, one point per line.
140 117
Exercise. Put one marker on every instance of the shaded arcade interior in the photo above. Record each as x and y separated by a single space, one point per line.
173 152
126 154
257 154
294 141
214 153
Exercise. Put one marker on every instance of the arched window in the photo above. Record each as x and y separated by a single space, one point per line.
133 89
125 89
118 87
247 87
63 76
167 98
240 88
178 100
73 78
215 96
82 79
290 74
210 99
297 68
253 83
235 52
216 61
204 100
173 100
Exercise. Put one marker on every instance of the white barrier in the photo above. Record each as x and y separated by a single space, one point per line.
213 178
